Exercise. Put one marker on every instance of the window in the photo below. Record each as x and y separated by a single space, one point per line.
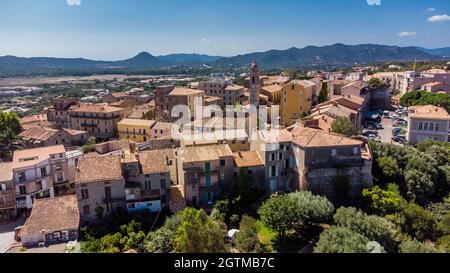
273 171
44 171
421 126
84 194
272 157
426 127
222 163
108 195
250 172
355 150
431 126
86 210
22 177
333 152
2 187
280 156
39 185
22 190
437 127
163 183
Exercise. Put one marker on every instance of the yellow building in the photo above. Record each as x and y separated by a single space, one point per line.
138 130
297 99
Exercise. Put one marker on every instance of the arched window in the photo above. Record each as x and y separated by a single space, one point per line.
253 80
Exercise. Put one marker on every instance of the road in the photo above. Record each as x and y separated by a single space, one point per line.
7 234
386 133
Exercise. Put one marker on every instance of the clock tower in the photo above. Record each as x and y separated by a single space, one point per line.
254 85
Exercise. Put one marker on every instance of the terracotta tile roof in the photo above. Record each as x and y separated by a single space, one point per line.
74 132
275 135
102 168
247 159
31 157
6 173
204 153
432 84
165 126
95 108
39 133
275 88
52 214
234 87
156 161
212 98
33 119
308 137
436 71
181 91
119 95
137 122
429 112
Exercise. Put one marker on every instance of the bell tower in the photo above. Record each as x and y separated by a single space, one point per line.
254 85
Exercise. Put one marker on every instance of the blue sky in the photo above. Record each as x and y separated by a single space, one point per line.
118 29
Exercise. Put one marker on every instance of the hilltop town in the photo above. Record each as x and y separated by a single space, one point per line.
259 162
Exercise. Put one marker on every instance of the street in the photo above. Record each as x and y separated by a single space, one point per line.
7 234
386 133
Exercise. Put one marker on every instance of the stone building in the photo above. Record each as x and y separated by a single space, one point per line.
100 187
99 120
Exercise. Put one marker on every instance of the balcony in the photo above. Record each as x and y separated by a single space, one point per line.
7 193
8 205
113 200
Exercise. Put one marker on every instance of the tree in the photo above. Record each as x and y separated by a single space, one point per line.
375 83
383 202
160 241
247 240
422 97
444 243
389 167
10 120
372 227
295 211
341 240
9 141
323 95
86 148
419 222
290 73
198 233
420 185
414 246
344 126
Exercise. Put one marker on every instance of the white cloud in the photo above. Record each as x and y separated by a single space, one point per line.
205 40
406 34
431 9
374 2
73 2
439 18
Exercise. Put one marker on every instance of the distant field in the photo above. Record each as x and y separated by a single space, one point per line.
31 81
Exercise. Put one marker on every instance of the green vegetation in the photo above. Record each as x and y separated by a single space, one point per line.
375 83
341 240
9 134
383 202
323 95
295 212
89 146
421 97
344 126
247 240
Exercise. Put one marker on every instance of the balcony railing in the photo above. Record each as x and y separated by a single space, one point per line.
8 205
7 192
113 200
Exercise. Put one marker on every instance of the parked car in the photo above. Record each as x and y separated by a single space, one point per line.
386 114
399 139
379 126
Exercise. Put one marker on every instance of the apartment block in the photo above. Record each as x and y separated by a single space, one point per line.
137 130
36 173
7 193
203 171
58 112
100 187
99 120
149 176
428 122
168 97
297 99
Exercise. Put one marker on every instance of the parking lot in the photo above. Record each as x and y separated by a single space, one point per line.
389 122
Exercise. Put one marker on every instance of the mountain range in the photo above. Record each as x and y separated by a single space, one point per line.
310 56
